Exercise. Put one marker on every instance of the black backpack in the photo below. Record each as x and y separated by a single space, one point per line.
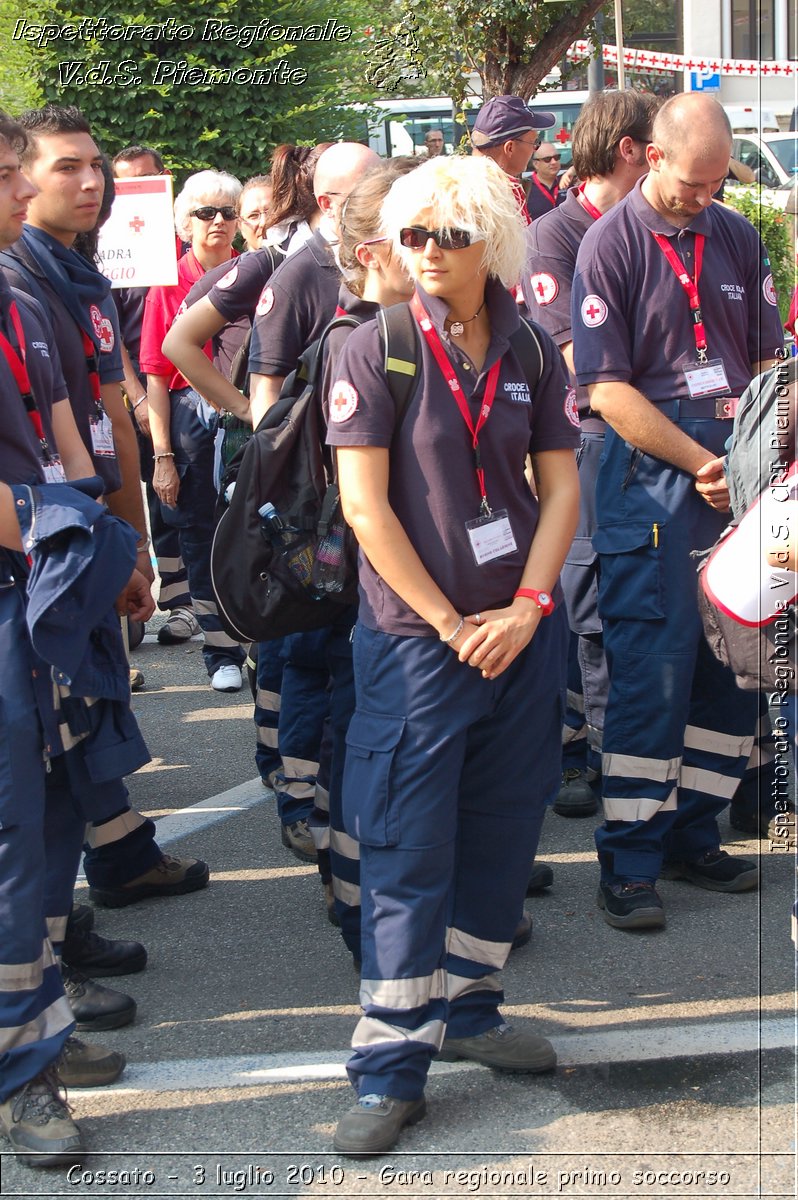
283 559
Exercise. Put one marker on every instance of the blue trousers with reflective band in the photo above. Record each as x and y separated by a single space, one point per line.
39 850
269 682
678 731
587 668
304 703
193 517
446 780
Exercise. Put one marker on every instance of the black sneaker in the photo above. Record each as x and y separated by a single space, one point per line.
576 797
631 905
716 871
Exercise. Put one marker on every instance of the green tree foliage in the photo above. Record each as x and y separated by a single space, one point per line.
208 84
18 87
774 228
510 44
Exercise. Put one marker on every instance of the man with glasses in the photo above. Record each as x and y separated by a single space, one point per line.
434 143
544 191
505 130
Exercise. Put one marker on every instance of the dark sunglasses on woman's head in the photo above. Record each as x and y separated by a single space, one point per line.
209 211
415 237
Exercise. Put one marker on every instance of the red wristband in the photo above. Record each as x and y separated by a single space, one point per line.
542 599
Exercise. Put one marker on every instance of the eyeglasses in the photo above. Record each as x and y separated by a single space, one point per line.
548 158
415 237
374 241
524 142
253 218
209 211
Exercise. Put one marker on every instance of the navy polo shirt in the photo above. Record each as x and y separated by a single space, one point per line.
349 305
294 307
433 485
541 199
20 453
227 342
67 337
235 291
552 245
630 315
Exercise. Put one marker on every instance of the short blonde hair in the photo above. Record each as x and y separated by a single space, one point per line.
462 193
204 187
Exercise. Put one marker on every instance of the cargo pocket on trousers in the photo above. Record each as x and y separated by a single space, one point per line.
631 583
579 577
369 800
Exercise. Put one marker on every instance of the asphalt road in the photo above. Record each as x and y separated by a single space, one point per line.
677 1071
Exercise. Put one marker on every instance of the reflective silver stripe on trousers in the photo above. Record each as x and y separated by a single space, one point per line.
710 782
369 1032
636 808
569 735
575 701
56 928
112 831
170 565
322 798
717 743
595 737
266 735
270 701
170 591
344 845
51 1021
465 945
630 766
403 993
458 985
23 977
347 893
293 768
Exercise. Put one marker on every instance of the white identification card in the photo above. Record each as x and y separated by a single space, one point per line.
54 471
491 537
706 379
102 437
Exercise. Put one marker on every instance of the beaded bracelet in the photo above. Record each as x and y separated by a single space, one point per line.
453 636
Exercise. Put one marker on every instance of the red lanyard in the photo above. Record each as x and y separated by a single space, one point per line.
435 345
587 205
520 195
16 361
551 199
690 286
90 352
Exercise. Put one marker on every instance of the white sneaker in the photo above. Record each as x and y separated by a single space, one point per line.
226 679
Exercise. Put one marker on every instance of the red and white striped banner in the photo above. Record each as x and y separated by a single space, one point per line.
656 60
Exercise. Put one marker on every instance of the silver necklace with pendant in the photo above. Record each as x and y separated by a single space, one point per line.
456 328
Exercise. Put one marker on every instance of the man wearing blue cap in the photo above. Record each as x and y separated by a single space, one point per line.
505 130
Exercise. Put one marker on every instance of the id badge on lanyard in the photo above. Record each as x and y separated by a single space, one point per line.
54 471
705 377
490 534
102 436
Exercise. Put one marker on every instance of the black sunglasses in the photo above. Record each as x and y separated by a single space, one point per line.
547 158
415 237
208 213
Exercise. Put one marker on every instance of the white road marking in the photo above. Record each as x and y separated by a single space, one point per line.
573 1050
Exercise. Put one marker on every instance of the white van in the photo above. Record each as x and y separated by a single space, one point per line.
751 118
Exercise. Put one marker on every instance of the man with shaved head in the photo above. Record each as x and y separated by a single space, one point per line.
673 312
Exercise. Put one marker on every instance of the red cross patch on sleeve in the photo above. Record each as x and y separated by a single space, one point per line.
228 279
545 288
571 410
103 328
266 302
593 311
769 291
343 401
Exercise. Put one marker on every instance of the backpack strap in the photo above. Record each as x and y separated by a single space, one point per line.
400 355
526 344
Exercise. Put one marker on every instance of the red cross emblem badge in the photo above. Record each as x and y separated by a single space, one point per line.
343 401
266 302
593 311
544 288
769 291
103 328
228 279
